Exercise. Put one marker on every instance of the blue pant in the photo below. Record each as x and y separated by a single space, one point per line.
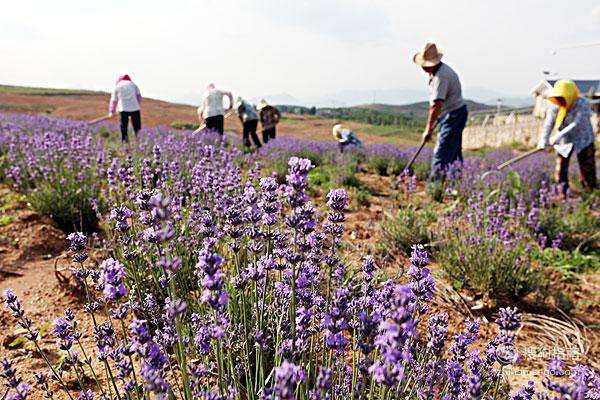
448 148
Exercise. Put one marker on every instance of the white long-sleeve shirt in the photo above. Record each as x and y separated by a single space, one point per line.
212 103
126 97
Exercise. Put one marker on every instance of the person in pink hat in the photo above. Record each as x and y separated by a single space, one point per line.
126 98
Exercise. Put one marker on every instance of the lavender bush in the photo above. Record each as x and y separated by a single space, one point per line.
224 282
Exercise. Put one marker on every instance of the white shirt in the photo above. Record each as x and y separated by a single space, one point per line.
212 104
126 94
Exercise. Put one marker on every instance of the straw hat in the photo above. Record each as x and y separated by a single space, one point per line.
337 131
262 104
430 56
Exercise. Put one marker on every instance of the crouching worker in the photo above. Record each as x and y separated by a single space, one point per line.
345 137
126 98
249 118
571 115
269 118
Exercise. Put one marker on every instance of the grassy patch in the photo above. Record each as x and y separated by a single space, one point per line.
291 120
6 220
45 91
185 125
566 263
10 200
409 226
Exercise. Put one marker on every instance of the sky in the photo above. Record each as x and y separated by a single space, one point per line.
308 49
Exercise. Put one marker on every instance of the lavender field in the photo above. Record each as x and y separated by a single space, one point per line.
203 271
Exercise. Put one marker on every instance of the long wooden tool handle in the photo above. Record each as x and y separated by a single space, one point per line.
95 121
201 127
414 157
518 158
423 143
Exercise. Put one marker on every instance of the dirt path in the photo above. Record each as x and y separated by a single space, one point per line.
32 255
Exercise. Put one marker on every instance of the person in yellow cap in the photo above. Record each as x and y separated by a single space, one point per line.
447 109
570 114
269 118
345 137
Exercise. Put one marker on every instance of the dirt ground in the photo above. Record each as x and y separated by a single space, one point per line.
34 263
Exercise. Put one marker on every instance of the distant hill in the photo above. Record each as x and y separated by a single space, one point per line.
86 105
45 91
419 110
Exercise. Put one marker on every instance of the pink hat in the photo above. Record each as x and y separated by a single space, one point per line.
123 78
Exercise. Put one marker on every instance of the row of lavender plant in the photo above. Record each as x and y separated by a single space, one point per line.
292 324
221 283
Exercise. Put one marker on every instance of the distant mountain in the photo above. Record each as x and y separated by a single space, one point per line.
281 98
420 109
397 96
515 102
490 97
350 98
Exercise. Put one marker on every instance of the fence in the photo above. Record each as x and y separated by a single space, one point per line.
502 129
511 126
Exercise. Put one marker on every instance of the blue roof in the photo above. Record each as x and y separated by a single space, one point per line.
584 86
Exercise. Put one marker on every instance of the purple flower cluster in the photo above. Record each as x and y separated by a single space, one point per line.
224 283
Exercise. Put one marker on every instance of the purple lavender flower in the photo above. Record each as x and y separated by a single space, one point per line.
14 305
287 378
525 393
368 266
338 199
436 336
335 322
394 332
41 380
77 240
509 319
112 276
120 215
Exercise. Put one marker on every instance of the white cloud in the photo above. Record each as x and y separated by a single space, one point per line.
303 47
596 12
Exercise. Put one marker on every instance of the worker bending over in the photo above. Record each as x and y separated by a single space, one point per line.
571 115
345 137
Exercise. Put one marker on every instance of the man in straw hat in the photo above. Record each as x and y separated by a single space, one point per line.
446 108
269 118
